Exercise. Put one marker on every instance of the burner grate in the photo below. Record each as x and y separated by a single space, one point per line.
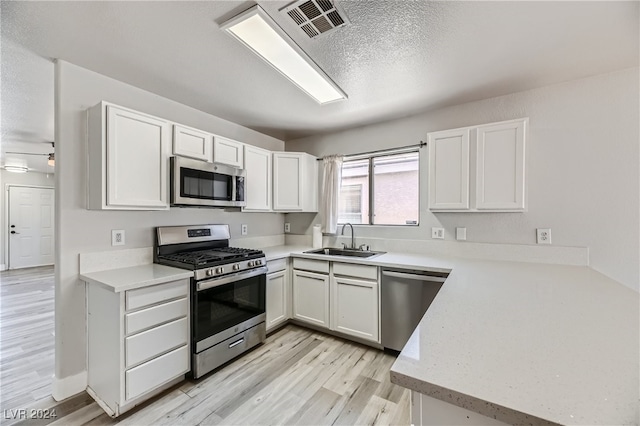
203 257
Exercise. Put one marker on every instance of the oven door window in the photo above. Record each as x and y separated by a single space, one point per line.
228 305
205 185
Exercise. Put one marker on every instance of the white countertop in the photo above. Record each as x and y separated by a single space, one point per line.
123 279
279 252
524 343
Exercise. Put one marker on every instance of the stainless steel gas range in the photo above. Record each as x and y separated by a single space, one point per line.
227 291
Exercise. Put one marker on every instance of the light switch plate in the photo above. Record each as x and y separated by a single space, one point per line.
245 229
461 234
117 237
543 235
437 233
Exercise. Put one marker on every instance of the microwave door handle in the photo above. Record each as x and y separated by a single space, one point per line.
233 188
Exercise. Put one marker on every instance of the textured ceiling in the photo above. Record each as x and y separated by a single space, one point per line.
395 59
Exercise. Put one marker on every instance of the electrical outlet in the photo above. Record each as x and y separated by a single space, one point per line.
437 233
245 229
117 237
543 235
461 234
287 227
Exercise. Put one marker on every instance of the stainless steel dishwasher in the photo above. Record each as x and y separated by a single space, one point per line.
406 295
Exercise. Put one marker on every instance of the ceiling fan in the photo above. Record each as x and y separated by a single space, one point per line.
50 161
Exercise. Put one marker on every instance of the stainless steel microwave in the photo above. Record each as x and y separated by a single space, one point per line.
200 184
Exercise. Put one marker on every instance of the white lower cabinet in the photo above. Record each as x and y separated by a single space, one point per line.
311 297
138 343
355 307
278 293
342 297
276 298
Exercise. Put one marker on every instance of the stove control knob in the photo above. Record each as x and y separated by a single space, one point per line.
220 270
236 266
209 272
250 263
258 262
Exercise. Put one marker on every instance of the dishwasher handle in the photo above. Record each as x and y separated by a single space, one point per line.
417 277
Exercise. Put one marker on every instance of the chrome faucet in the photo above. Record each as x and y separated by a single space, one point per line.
353 237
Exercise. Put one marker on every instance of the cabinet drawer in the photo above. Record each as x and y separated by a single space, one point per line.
156 294
276 265
150 343
311 265
156 372
353 270
155 315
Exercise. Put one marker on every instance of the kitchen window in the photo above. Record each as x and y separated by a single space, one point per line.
381 189
351 203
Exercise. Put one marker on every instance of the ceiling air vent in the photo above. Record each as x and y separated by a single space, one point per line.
316 17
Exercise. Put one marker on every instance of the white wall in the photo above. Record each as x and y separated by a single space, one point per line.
583 169
23 179
80 230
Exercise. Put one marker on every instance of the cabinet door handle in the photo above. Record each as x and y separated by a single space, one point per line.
14 232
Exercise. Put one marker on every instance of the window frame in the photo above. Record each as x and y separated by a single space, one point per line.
370 159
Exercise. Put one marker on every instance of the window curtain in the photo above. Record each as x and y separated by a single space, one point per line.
331 178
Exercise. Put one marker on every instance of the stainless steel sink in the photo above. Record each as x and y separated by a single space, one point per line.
332 251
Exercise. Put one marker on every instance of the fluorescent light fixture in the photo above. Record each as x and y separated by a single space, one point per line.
256 30
16 169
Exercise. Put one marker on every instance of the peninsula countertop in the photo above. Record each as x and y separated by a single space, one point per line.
525 343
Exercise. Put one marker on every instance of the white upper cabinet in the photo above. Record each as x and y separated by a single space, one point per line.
449 170
500 166
258 182
227 151
295 182
287 181
192 143
487 176
128 158
310 184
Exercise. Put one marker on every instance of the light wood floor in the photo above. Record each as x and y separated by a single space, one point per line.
26 336
298 376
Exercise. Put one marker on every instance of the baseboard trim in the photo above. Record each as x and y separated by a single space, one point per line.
3 267
65 387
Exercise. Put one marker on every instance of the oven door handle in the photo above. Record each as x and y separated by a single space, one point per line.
215 282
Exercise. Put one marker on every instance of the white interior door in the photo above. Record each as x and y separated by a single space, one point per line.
30 227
